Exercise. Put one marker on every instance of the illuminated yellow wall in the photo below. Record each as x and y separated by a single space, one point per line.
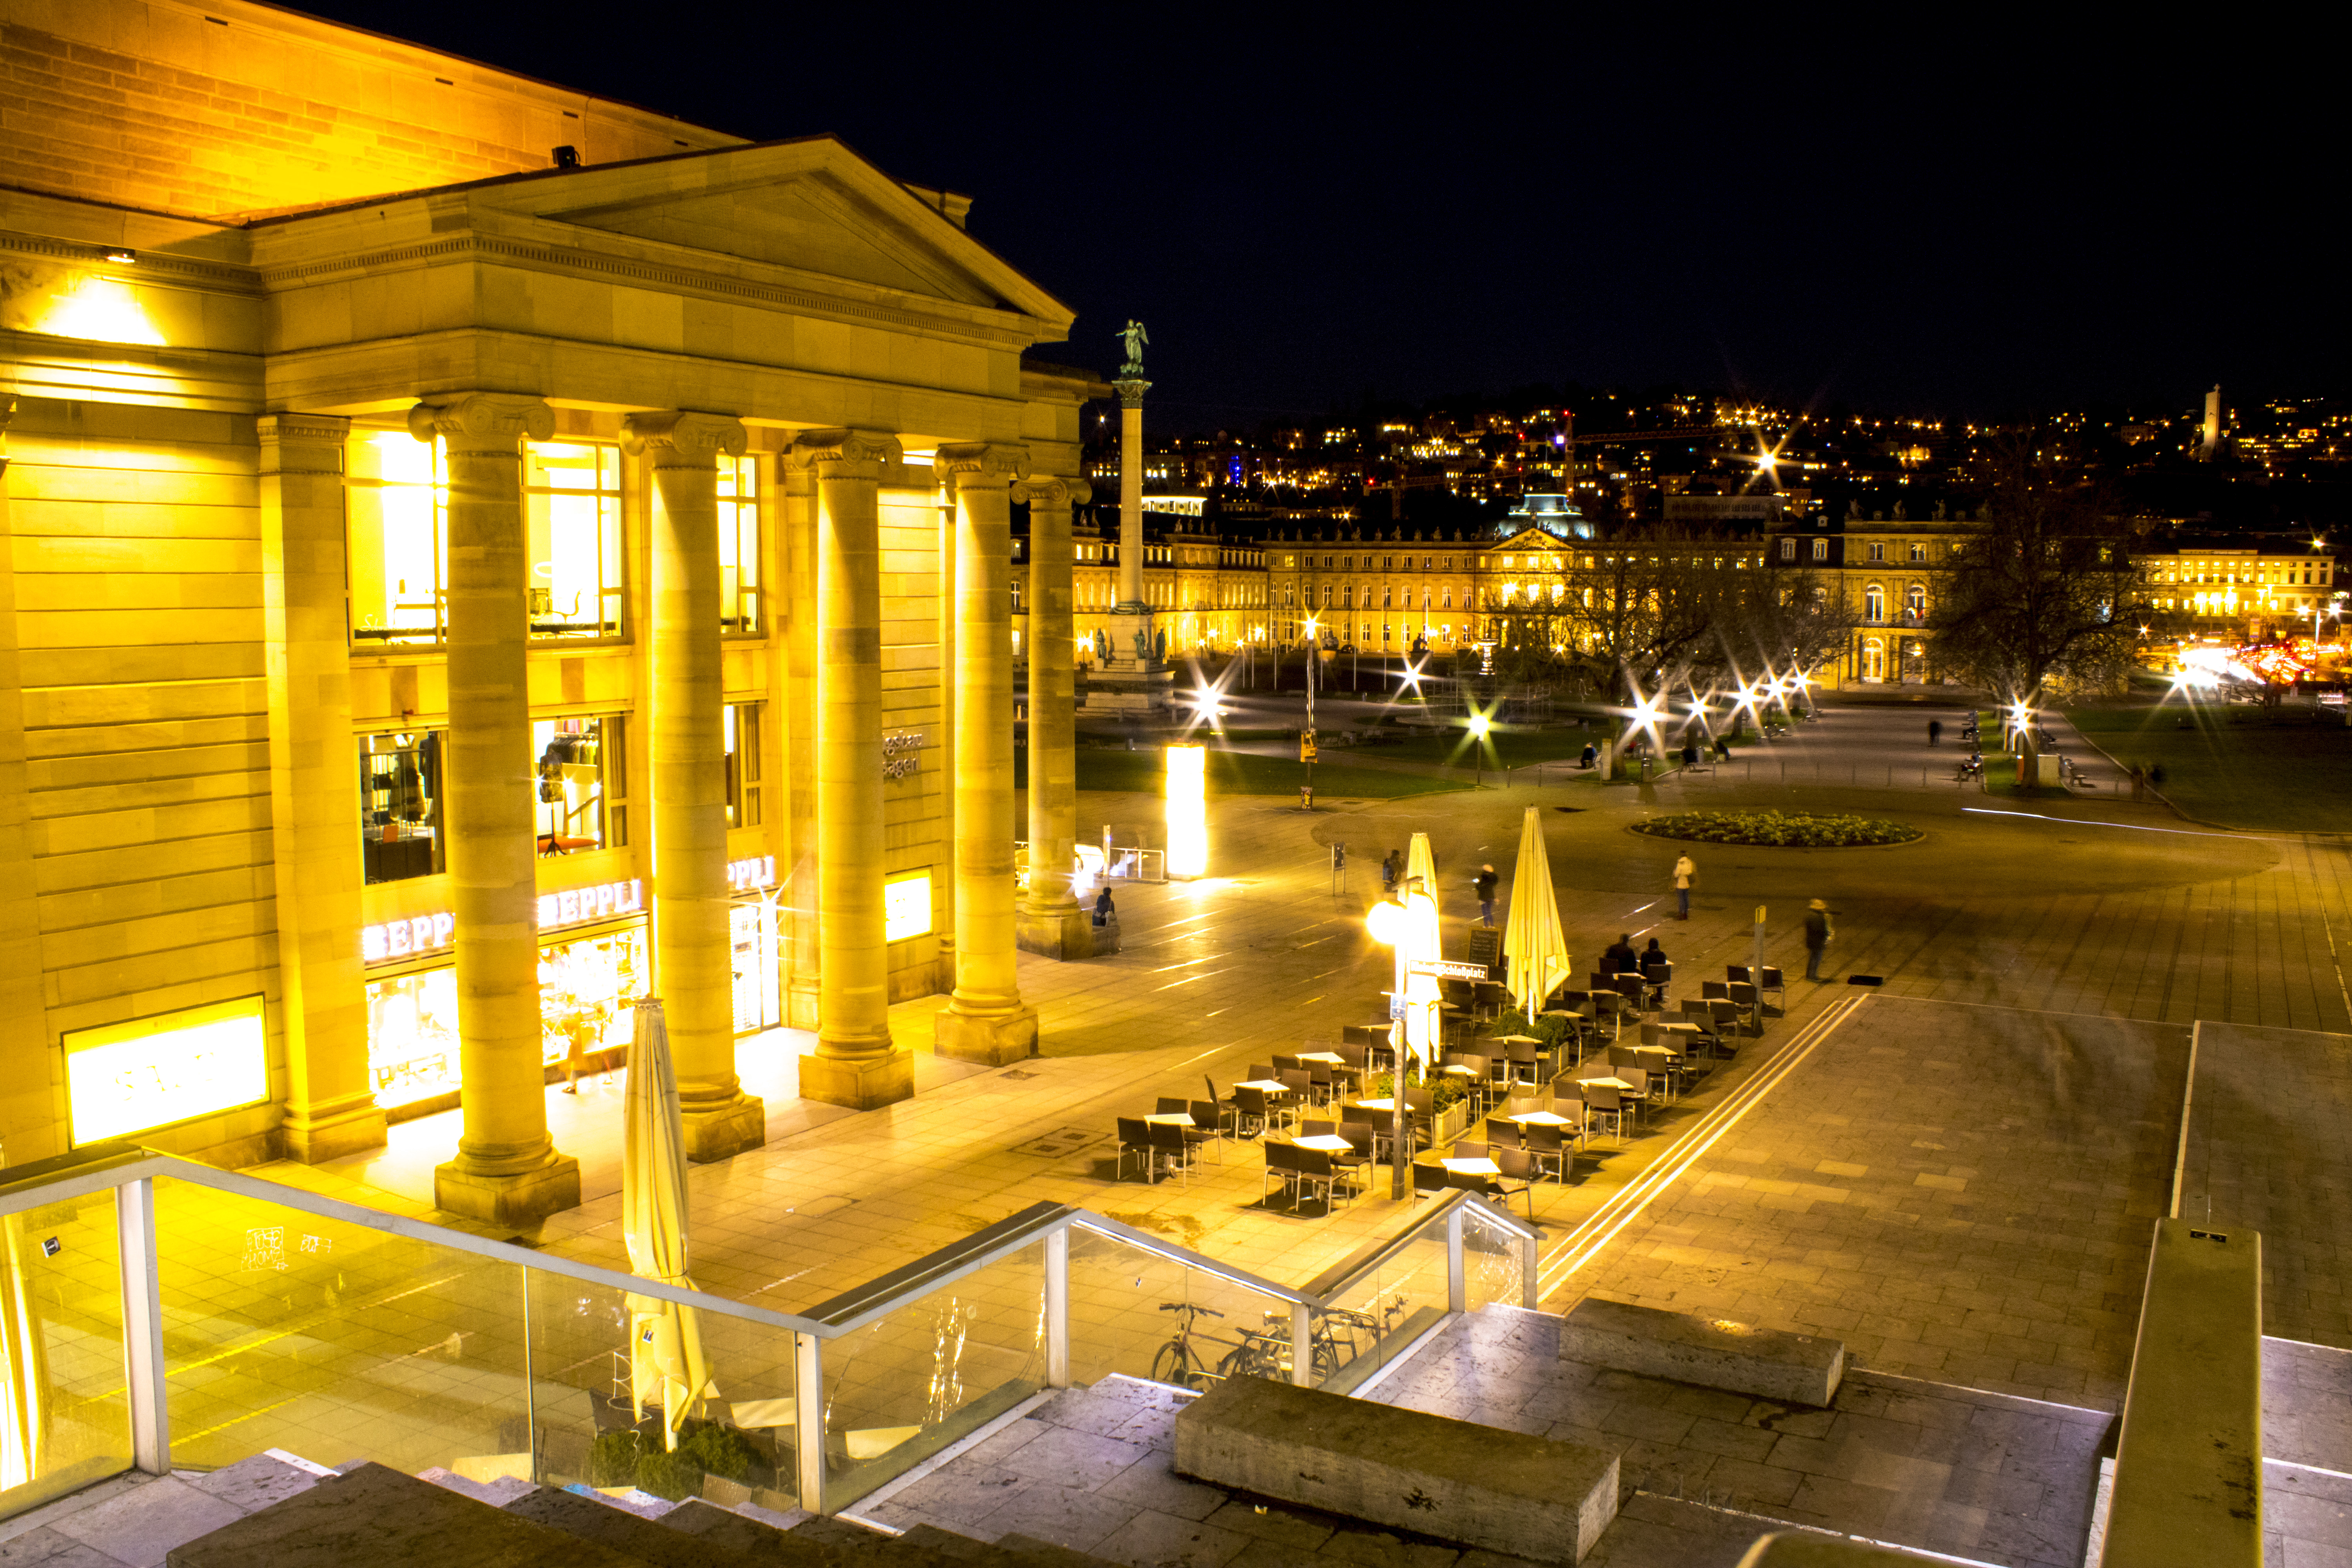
238 107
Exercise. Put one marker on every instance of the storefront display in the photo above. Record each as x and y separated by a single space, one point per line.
588 991
751 927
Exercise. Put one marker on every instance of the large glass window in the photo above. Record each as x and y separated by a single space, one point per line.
400 804
398 500
740 608
583 783
571 493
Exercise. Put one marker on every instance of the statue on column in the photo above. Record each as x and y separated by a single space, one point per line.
1136 337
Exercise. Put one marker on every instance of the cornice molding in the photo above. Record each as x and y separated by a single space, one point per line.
154 264
683 439
491 249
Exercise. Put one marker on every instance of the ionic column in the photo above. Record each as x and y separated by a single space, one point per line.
856 1063
943 733
506 1171
985 1020
30 1127
793 683
693 958
1052 923
314 789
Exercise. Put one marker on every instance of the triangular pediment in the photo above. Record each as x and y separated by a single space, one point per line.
812 204
1532 539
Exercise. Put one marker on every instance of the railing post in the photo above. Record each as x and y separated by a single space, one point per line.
1457 1281
1302 1345
808 1417
142 1327
1530 1271
1057 1308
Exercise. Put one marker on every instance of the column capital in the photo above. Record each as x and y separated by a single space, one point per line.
981 463
1054 491
1130 392
843 453
482 421
683 439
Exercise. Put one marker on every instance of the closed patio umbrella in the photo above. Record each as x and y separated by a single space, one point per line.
666 1360
1536 951
1418 862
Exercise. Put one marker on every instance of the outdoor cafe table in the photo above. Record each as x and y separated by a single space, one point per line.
1328 1058
1328 1142
1384 1103
1607 1082
1539 1119
1472 1167
1171 1118
1265 1085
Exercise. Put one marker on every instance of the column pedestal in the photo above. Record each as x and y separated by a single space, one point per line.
523 1199
991 1039
1129 681
862 1083
1057 934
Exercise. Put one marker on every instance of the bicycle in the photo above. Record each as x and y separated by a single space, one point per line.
1178 1365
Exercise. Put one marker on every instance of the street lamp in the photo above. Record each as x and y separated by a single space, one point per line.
1307 742
1479 725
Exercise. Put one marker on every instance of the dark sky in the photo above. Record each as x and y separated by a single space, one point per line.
1999 213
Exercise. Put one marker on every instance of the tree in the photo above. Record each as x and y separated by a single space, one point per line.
2044 597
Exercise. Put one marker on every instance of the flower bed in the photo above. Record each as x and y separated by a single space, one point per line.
1780 829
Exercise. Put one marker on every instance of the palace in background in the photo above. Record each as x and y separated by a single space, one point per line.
474 554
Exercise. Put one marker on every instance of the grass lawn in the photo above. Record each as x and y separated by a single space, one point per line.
1504 749
1245 773
2231 766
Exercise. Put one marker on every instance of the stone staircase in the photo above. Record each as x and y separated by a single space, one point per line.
276 1510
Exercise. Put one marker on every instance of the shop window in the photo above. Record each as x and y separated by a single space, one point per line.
572 506
739 607
413 1036
588 993
400 806
397 503
752 934
583 783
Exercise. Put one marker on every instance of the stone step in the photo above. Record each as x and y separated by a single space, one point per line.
597 1519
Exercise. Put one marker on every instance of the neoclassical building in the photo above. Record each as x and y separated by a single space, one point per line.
473 555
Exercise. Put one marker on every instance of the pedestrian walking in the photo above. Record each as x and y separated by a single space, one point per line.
1685 874
1391 864
1485 882
1723 748
1935 732
1818 934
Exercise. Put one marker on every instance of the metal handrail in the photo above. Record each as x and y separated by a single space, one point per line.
113 1171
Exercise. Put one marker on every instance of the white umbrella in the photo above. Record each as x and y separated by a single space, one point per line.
664 1345
1533 943
1418 862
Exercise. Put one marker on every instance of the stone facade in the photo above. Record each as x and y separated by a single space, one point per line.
394 570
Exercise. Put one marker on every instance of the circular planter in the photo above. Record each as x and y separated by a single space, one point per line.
1780 829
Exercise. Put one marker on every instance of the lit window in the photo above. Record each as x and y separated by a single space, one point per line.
1787 550
742 741
397 500
1820 550
400 806
1874 604
572 494
1877 550
583 783
739 545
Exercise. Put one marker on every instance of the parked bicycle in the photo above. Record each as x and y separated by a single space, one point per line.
1180 1364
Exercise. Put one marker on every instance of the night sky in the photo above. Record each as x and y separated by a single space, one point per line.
1970 220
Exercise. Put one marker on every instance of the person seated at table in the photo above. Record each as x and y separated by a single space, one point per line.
1653 953
1620 959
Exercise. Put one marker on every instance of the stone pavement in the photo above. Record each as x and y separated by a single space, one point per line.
1960 1192
2270 1148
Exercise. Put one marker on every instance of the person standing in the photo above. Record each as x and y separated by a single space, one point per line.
1685 873
1818 933
1485 882
1935 730
1391 864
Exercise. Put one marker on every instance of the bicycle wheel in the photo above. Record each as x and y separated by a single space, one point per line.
1173 1365
1245 1359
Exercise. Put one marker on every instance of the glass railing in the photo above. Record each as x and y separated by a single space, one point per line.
162 1314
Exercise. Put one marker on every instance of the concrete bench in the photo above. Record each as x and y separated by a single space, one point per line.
1454 1481
2188 1463
1795 1369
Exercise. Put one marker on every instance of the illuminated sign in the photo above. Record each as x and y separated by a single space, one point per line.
906 907
1187 822
122 1079
578 906
759 871
422 935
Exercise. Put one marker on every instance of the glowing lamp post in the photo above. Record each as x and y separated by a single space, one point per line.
1479 725
1408 926
1188 818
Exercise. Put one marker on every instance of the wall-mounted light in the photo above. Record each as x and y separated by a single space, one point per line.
122 258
